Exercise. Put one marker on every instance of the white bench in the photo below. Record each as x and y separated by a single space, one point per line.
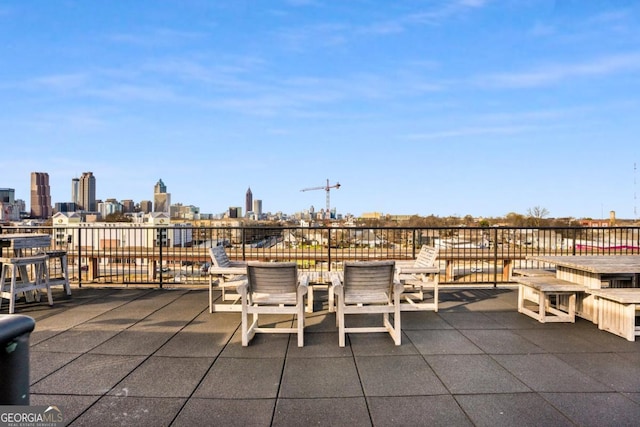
617 309
539 290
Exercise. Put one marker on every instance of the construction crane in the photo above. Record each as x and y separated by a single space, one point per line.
326 188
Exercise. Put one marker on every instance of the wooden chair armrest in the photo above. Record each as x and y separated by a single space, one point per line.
303 284
227 270
237 264
243 287
335 280
417 270
398 287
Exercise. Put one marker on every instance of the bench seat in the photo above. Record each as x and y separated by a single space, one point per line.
554 299
617 309
533 272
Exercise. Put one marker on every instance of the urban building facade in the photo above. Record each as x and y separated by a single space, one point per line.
146 206
248 204
75 191
161 199
87 190
40 195
257 208
9 207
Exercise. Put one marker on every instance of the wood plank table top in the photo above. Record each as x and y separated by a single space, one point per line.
621 295
597 264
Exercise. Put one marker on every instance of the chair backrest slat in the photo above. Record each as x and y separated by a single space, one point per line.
368 276
426 256
272 277
219 257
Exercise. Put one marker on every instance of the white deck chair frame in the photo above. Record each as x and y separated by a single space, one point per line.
418 276
368 287
225 275
272 288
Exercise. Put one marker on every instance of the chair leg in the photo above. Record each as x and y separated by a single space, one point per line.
2 284
396 320
341 326
301 309
435 297
210 294
43 275
245 326
65 273
12 300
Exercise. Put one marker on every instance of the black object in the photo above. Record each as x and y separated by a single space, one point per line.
15 330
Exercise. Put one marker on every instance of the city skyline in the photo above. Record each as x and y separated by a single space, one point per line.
443 107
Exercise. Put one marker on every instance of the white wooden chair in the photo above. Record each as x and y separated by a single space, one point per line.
368 287
226 273
418 276
272 288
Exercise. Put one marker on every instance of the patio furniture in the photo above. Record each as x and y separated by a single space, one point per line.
58 269
227 274
272 288
593 272
416 276
17 269
368 287
320 280
617 309
554 300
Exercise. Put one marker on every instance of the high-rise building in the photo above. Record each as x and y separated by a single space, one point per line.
87 190
257 208
161 199
159 187
75 191
248 205
40 195
128 205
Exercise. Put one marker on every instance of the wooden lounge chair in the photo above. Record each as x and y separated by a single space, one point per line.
418 276
226 273
272 288
368 287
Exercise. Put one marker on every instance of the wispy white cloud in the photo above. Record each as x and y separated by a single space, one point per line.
300 3
470 131
155 37
59 82
551 74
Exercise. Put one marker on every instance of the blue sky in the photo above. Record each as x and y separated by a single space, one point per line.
443 107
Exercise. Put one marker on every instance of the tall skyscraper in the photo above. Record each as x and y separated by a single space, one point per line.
75 191
40 195
87 191
161 199
257 208
248 204
160 187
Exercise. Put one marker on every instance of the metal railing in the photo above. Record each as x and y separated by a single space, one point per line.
134 254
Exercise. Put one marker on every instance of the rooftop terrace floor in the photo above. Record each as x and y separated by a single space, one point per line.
150 357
